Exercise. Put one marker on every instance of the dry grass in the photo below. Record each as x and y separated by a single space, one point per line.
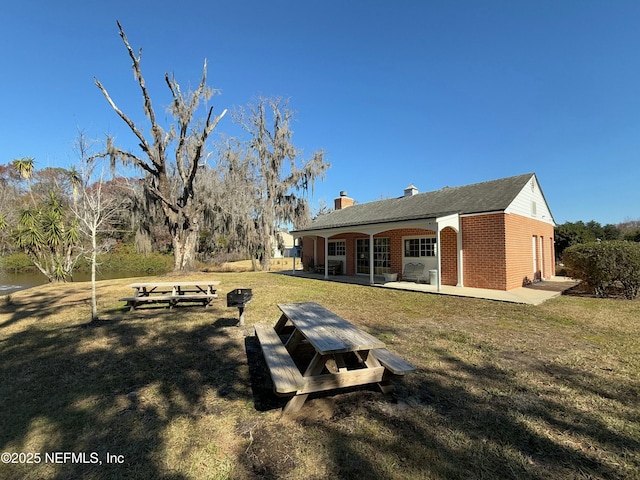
277 265
501 390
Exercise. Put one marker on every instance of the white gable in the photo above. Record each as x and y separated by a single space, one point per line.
530 203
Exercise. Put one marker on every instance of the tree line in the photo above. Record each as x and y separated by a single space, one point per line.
580 232
192 196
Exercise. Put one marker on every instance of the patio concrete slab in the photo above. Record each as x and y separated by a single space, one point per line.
531 295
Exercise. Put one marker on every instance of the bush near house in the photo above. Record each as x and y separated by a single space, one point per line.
606 265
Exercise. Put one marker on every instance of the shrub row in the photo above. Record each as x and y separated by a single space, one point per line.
122 260
603 265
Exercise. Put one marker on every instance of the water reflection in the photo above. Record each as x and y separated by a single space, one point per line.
13 282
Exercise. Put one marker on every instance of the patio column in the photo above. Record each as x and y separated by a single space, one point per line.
460 269
326 257
371 281
438 256
295 254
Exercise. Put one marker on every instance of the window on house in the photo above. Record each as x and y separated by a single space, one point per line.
337 248
420 247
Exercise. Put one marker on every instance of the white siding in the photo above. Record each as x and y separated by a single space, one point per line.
530 203
288 250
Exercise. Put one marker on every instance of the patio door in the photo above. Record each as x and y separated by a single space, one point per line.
381 256
362 256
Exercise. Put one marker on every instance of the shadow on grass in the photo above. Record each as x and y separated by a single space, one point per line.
264 399
460 420
436 428
123 386
115 389
35 307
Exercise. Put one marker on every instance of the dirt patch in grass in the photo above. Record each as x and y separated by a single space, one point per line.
500 391
555 285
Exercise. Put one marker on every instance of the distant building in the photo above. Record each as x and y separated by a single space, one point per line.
288 249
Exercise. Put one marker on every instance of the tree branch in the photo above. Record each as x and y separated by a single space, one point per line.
208 128
156 130
143 141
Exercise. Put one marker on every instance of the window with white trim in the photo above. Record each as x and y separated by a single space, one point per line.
420 247
336 248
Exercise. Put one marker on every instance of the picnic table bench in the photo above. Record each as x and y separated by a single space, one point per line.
172 293
342 354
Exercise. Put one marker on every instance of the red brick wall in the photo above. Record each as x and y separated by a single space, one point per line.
519 233
484 258
307 250
498 251
449 256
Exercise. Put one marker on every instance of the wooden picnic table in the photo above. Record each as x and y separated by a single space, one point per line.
342 354
172 293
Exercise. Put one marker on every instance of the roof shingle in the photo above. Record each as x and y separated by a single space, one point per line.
491 196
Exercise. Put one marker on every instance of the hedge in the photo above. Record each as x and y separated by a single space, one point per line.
603 265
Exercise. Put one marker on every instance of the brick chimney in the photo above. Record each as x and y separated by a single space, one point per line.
343 201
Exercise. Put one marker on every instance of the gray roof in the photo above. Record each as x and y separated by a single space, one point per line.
491 196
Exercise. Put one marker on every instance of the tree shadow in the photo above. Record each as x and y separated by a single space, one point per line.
264 398
39 308
459 420
466 432
115 388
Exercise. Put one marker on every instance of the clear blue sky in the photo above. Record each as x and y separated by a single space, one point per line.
433 93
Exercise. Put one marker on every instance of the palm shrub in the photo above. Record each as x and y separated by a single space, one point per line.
602 265
49 236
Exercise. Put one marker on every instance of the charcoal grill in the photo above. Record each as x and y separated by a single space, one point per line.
239 298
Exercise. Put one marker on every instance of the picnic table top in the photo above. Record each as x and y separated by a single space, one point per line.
327 332
175 284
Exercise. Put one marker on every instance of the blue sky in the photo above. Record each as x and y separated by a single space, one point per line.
434 93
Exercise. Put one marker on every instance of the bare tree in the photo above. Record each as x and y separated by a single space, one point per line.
94 210
171 182
275 176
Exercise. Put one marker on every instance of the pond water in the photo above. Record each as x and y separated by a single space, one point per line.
12 282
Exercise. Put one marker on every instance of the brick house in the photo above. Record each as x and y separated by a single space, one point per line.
496 234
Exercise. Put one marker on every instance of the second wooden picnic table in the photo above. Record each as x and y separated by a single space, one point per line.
172 293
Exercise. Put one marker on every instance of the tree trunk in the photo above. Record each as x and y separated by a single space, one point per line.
185 243
94 296
254 263
266 257
267 231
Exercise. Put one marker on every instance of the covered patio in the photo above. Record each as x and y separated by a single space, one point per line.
372 260
532 295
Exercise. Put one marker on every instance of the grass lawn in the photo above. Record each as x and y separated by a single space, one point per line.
501 390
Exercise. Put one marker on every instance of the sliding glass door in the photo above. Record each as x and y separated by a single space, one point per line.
381 256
